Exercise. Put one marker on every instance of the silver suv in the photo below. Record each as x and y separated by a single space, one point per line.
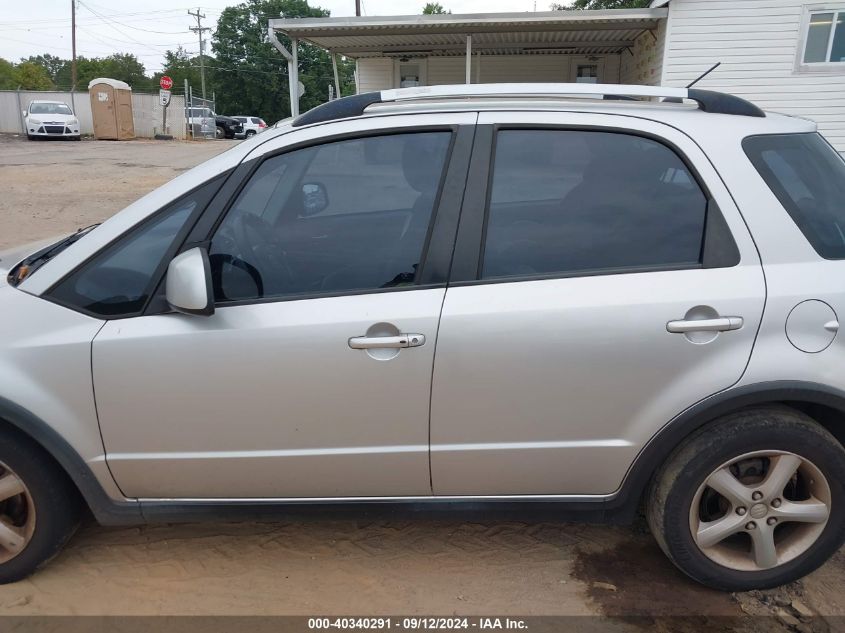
580 300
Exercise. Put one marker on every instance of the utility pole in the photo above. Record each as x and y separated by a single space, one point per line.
73 45
199 28
358 7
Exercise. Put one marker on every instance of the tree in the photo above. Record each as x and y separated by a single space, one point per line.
602 4
51 63
7 75
125 67
120 66
434 8
31 76
251 75
179 66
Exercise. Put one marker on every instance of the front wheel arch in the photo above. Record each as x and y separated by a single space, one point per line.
14 419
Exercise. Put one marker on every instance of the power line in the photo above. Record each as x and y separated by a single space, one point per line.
66 20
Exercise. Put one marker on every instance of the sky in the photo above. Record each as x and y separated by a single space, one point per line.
148 28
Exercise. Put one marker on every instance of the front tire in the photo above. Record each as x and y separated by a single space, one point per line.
39 507
220 133
754 500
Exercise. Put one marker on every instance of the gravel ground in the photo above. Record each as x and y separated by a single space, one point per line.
49 188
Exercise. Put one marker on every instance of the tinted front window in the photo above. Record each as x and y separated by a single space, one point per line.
349 215
808 178
567 201
118 281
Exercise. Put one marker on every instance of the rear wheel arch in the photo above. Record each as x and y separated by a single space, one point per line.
825 405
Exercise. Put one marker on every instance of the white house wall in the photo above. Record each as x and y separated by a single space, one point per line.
643 65
376 73
757 42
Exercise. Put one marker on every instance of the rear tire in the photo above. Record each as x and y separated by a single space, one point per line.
249 133
727 512
37 521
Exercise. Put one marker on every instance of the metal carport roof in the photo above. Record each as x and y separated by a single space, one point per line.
581 32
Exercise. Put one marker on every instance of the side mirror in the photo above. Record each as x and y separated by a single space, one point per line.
23 112
188 286
315 198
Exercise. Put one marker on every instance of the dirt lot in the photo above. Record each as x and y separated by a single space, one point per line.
339 567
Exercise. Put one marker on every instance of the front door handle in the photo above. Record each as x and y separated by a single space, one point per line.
379 342
719 324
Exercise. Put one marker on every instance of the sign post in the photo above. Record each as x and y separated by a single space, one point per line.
166 84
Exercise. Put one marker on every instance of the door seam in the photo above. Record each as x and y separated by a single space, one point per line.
443 303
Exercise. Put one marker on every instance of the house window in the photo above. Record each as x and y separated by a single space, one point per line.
587 74
825 37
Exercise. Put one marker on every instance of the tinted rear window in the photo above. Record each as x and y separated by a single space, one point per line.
808 178
564 201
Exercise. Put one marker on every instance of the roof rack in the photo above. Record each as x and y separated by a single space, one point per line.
708 100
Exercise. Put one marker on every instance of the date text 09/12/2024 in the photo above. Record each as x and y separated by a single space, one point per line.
416 623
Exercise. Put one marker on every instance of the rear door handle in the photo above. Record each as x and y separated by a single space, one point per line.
379 342
719 324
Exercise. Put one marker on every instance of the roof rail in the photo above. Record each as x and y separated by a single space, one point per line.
708 101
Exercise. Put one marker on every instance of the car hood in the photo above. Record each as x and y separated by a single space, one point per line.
228 119
11 256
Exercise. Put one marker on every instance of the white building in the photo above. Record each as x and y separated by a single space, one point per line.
784 55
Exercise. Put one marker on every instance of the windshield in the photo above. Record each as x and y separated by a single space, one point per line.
808 178
49 108
39 258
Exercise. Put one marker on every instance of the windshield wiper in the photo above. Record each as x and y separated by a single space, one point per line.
39 258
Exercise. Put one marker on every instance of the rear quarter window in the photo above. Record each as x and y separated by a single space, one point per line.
808 178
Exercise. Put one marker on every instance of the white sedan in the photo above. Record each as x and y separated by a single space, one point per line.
50 119
252 125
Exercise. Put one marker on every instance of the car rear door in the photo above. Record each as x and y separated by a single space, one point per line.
603 282
313 377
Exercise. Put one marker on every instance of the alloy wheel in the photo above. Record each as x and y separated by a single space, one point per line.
17 514
760 510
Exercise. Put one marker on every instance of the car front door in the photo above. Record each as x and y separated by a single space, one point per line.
312 378
603 282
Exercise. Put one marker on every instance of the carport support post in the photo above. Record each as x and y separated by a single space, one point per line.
189 129
469 60
293 74
336 79
293 71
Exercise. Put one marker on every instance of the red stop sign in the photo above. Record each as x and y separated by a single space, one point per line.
166 83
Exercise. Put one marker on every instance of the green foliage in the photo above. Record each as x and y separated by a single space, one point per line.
250 75
434 8
7 75
179 66
26 75
120 66
602 4
31 76
51 63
